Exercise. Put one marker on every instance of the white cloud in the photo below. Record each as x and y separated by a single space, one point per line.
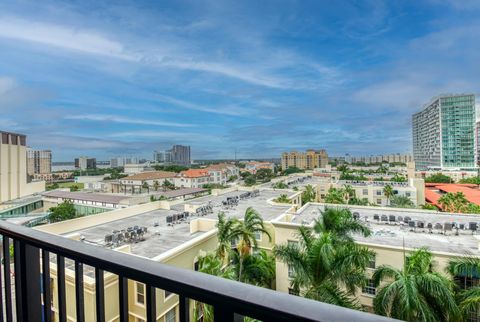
6 84
89 42
120 119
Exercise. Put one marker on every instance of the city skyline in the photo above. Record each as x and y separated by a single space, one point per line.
83 79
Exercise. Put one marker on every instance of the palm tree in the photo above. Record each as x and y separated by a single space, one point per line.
348 192
416 292
446 202
335 196
401 202
388 191
224 228
309 194
467 267
326 264
453 202
156 185
145 186
212 265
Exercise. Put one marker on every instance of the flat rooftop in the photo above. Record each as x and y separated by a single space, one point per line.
386 233
160 237
86 196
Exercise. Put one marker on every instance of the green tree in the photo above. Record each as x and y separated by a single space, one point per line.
264 174
145 186
335 196
416 292
292 170
280 185
74 188
429 206
461 268
472 180
283 198
167 185
454 202
401 202
309 194
61 212
250 180
398 178
439 178
156 185
326 264
388 192
348 192
232 178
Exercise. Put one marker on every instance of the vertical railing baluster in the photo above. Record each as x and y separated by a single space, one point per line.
79 296
123 298
100 294
27 282
184 309
47 292
151 304
222 314
62 305
8 279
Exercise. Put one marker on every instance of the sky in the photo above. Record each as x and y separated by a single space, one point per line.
107 79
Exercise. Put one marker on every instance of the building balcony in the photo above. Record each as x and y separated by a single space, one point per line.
26 292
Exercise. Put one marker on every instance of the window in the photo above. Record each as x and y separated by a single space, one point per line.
379 201
291 272
371 263
170 316
379 192
365 192
370 288
258 235
167 294
292 291
140 293
408 194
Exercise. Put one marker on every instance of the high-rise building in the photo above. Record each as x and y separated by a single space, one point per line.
178 154
121 161
444 133
310 159
13 168
84 163
39 161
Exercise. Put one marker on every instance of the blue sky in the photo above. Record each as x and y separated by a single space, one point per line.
128 77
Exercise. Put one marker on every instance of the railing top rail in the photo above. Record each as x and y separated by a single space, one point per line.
242 298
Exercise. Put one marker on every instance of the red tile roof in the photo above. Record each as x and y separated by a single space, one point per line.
194 173
471 191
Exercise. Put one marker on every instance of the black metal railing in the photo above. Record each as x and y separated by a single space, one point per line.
32 250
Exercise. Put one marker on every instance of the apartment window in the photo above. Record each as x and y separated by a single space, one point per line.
379 201
408 194
370 288
372 262
5 138
258 235
379 192
365 192
140 293
170 316
291 272
292 291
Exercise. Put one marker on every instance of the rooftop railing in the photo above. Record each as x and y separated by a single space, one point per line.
230 299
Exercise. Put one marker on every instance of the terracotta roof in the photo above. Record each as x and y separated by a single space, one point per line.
152 175
471 192
194 173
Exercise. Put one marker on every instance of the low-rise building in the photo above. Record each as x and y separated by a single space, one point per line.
193 178
153 180
374 191
180 242
54 177
254 166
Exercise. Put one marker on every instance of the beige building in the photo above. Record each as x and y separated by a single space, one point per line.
134 183
180 243
13 168
39 161
374 192
308 160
